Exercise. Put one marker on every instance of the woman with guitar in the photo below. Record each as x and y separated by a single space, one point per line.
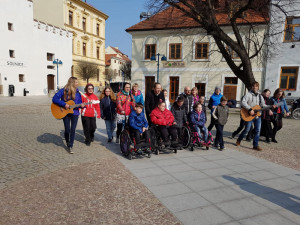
69 92
278 112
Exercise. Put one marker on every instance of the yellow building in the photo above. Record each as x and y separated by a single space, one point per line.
88 26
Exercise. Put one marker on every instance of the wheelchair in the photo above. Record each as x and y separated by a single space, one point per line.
191 139
129 148
157 144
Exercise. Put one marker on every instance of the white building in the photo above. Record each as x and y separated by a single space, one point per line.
28 49
284 62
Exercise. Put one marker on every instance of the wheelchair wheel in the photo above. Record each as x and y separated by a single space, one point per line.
186 137
296 114
125 143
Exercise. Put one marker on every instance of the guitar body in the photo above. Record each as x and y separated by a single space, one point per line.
60 112
247 117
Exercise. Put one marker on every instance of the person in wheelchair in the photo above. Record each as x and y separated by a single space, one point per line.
164 120
138 127
197 121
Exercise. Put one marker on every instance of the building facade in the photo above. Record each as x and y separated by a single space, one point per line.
28 49
283 62
88 27
114 59
187 56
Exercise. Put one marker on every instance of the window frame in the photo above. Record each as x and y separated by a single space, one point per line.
196 51
170 51
293 27
21 78
84 24
288 78
10 26
71 18
150 51
98 29
12 53
232 52
98 52
84 49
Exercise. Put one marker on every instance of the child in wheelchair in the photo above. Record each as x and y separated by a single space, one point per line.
197 121
164 119
138 128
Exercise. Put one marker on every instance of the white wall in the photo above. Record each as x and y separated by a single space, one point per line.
31 42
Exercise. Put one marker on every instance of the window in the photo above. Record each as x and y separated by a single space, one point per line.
292 29
231 80
232 53
201 51
84 24
175 51
50 56
70 18
288 78
12 53
98 29
98 75
84 49
150 50
174 88
10 26
51 67
235 6
98 53
21 78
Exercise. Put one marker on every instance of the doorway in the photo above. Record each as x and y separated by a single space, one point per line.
201 88
50 82
149 82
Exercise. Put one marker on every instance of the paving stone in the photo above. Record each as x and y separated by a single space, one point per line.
292 213
204 184
222 194
267 219
169 190
189 175
158 180
204 165
281 184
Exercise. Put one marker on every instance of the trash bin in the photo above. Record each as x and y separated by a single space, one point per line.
11 90
25 91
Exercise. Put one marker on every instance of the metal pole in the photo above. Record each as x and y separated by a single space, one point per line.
57 72
158 67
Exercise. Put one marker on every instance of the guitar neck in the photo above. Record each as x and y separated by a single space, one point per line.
77 105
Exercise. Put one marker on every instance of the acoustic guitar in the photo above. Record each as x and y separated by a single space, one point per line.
257 109
60 112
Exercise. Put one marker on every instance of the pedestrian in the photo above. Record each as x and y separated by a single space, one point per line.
137 94
89 114
195 95
152 99
202 102
278 112
212 104
108 111
251 99
69 92
167 101
266 127
125 104
188 99
220 115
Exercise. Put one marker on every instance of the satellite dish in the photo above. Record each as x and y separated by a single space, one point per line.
145 15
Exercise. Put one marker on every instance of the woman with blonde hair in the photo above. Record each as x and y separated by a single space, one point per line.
69 92
108 111
195 95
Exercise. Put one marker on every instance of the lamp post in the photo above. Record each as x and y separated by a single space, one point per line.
57 62
153 58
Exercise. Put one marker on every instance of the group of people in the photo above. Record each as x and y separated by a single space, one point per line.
129 107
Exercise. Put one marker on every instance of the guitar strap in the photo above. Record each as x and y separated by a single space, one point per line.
84 96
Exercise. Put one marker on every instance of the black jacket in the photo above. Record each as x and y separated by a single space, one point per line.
108 108
188 102
179 114
204 110
152 100
265 113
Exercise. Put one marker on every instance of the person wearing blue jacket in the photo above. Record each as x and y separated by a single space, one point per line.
214 101
139 125
69 92
278 112
197 119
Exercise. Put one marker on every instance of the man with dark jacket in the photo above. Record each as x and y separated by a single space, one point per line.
266 127
152 99
188 99
180 117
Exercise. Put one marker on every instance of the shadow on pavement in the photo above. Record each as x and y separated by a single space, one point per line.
112 146
280 198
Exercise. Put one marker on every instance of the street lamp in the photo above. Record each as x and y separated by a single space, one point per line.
57 62
153 58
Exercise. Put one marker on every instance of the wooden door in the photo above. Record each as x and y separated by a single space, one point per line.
174 89
149 82
230 87
201 88
50 82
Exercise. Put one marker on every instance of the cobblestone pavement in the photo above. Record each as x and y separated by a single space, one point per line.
40 183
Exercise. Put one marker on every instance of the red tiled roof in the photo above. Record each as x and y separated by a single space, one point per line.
109 56
173 18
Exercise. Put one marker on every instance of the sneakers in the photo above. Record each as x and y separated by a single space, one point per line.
257 148
274 140
117 140
70 149
232 135
139 151
238 143
221 149
109 140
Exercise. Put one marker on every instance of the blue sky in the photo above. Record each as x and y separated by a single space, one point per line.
122 14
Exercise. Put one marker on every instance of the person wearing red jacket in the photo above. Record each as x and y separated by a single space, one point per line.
164 120
89 114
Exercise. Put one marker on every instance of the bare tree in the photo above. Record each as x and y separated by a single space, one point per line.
110 74
86 71
126 70
238 14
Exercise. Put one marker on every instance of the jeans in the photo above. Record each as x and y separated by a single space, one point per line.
70 123
219 136
201 130
257 126
110 127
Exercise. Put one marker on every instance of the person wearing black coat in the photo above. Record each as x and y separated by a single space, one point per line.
266 127
152 99
180 117
188 99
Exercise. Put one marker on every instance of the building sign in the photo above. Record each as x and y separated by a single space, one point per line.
10 63
174 64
